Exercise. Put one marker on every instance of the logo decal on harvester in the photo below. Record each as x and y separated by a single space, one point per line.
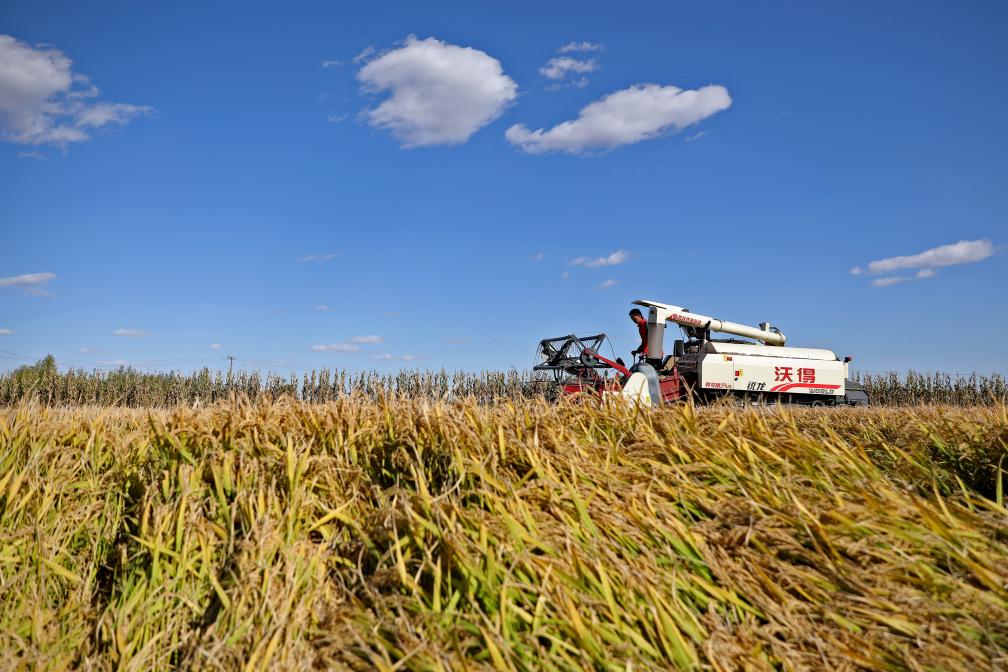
676 317
806 381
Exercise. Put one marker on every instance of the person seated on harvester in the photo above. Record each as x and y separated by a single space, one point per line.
641 322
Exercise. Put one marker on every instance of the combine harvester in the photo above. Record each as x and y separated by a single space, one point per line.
761 371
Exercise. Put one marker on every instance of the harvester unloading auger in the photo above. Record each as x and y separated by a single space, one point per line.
761 370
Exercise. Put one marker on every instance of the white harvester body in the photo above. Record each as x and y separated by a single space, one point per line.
766 368
745 367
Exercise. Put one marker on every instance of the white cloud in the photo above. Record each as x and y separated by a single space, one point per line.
614 259
316 257
332 64
386 357
112 362
696 136
440 93
857 270
558 68
6 332
322 308
85 349
538 256
364 55
578 83
351 345
372 338
216 346
27 279
579 46
963 252
887 282
31 155
641 112
336 347
103 114
607 284
925 273
129 332
42 101
456 340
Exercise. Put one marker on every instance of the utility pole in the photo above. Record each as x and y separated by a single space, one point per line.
230 365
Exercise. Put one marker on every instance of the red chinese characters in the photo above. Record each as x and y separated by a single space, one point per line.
782 374
806 375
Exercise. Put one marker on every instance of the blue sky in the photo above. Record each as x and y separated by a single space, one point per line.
275 178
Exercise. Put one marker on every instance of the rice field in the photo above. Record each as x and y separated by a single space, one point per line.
383 532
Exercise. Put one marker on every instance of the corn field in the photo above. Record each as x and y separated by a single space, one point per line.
934 388
389 534
134 389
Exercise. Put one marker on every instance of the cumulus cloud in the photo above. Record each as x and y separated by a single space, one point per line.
27 279
607 284
886 282
640 112
440 94
133 333
963 252
42 101
371 338
6 332
614 259
215 346
322 308
558 68
579 46
336 347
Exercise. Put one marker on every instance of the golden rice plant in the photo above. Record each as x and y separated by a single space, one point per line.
393 533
